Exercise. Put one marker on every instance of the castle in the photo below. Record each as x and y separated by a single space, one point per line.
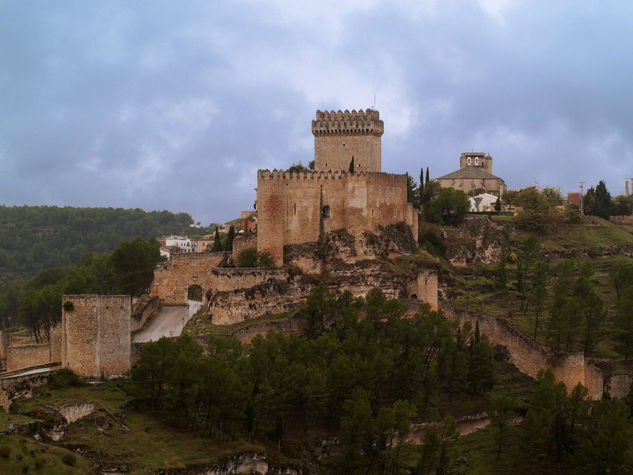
346 191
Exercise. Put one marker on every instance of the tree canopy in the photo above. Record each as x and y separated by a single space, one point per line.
35 238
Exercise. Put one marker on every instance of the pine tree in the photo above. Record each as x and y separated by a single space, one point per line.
427 175
230 236
217 242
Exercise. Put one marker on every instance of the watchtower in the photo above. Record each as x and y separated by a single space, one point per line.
341 136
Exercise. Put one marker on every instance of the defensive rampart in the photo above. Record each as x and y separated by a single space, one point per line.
530 358
96 334
173 279
295 208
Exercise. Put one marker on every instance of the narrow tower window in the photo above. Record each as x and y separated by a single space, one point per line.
325 211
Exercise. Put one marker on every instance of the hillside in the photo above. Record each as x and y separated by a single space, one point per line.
506 289
34 238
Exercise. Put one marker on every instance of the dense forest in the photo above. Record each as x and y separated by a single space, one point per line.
36 303
361 371
34 238
362 374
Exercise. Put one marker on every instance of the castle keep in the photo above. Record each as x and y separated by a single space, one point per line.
346 191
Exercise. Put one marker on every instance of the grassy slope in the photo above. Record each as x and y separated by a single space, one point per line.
474 289
118 436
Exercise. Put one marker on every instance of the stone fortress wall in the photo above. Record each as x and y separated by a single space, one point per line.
295 208
173 279
530 358
96 334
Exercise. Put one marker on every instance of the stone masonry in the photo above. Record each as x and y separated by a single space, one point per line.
295 208
96 334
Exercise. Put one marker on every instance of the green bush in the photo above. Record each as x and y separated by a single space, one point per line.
249 257
5 451
64 378
69 459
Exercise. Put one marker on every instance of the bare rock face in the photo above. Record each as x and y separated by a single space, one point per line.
478 239
344 261
340 246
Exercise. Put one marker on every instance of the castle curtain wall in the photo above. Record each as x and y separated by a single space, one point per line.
290 205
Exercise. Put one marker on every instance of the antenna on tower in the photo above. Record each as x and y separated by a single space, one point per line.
374 107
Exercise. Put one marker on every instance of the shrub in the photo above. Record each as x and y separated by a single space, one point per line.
69 459
5 451
249 257
64 378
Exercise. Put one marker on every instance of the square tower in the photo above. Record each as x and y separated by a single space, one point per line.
341 136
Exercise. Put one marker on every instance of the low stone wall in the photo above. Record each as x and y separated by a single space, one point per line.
24 355
142 309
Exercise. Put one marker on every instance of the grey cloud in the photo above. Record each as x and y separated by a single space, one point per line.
163 105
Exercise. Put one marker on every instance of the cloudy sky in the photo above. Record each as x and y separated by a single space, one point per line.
175 105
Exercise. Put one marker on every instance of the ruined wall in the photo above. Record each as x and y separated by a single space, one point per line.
96 334
24 356
618 385
241 242
16 386
142 310
291 205
241 294
55 342
339 136
427 288
26 353
4 344
529 357
172 279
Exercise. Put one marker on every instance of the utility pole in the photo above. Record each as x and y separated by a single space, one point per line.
582 200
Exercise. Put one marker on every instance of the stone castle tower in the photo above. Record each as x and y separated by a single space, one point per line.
339 136
295 208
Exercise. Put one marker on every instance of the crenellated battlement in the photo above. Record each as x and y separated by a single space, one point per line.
281 175
362 122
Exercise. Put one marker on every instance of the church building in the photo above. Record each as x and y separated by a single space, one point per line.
474 176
